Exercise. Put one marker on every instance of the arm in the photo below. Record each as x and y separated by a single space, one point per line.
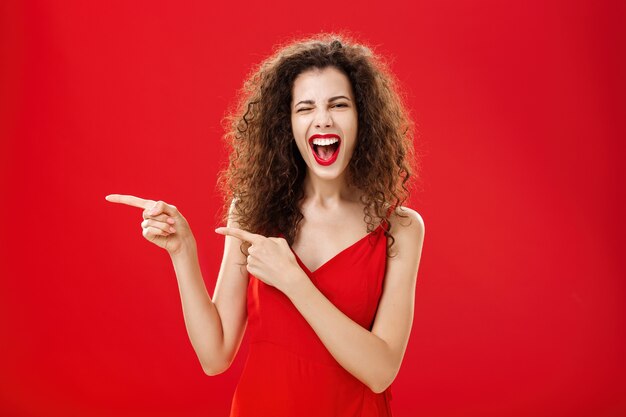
372 357
215 327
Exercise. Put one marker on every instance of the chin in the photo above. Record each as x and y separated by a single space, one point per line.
328 173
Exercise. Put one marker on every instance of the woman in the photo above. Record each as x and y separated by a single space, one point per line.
321 152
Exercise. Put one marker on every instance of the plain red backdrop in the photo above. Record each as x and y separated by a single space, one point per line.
520 303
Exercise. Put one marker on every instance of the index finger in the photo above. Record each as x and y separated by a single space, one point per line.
130 200
239 234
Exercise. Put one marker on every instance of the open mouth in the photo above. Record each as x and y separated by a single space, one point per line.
325 148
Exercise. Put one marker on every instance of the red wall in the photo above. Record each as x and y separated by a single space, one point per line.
520 108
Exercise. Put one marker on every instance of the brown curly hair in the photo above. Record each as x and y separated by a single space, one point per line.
265 173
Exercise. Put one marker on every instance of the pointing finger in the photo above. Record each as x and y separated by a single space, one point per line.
161 207
240 234
130 200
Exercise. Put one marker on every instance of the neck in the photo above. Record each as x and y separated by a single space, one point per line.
328 193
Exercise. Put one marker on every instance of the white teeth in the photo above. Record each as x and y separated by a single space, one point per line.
325 142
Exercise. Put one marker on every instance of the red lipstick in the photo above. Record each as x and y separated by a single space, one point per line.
333 158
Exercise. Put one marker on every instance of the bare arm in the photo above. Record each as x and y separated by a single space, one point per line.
215 329
372 357
202 320
230 298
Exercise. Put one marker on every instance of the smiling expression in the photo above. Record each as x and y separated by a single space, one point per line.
324 120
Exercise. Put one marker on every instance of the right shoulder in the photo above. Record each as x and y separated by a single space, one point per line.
233 214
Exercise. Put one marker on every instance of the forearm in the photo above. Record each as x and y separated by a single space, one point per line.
366 356
201 317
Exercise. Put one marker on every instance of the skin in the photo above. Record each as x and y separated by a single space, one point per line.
323 102
216 326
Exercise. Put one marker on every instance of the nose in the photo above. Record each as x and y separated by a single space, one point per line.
323 119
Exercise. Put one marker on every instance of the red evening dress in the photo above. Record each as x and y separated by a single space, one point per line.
288 371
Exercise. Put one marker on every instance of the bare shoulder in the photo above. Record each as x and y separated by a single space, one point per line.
232 211
233 214
407 229
407 221
233 246
395 312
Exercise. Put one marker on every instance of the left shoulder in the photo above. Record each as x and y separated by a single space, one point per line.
407 230
396 307
407 222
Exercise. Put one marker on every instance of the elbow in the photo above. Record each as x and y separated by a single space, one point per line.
378 388
382 382
215 368
212 371
215 362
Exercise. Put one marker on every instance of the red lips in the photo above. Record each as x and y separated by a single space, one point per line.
325 136
330 160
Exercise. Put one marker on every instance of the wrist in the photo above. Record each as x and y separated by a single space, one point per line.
186 249
297 285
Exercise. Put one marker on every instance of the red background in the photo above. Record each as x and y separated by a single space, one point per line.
520 110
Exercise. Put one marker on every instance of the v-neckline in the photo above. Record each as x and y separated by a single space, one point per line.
309 272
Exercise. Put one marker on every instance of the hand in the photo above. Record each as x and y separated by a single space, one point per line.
270 259
163 224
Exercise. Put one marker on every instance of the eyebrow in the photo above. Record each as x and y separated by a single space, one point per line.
329 100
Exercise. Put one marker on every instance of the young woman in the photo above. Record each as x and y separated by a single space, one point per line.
321 154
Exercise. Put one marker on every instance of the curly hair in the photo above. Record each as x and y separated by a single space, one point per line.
264 178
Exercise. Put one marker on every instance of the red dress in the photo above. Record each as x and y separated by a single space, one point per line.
289 372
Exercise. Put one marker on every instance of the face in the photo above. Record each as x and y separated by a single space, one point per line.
324 120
